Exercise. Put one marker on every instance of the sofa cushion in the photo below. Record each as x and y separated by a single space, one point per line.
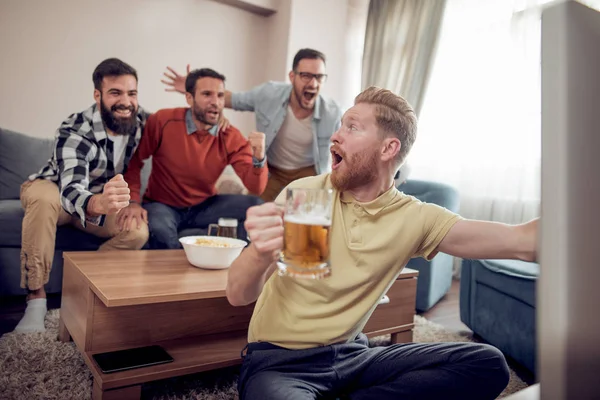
20 156
67 237
513 278
11 218
498 303
516 268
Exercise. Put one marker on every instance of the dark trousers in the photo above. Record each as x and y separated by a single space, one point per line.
355 371
164 222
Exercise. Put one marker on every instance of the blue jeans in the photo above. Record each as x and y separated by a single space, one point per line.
419 371
165 221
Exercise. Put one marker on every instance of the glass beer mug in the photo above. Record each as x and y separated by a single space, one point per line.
226 227
306 242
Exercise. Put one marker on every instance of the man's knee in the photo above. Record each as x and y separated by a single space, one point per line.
162 228
268 385
41 202
247 201
134 239
160 217
492 361
163 232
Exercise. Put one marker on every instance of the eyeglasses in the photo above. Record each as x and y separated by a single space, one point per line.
307 76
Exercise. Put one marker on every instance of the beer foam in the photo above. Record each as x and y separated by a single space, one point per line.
308 219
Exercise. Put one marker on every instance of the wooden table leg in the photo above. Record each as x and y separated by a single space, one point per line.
63 332
402 337
125 393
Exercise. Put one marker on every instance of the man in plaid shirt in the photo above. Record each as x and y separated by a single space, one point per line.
82 184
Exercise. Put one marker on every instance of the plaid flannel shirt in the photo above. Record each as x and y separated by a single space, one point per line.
83 160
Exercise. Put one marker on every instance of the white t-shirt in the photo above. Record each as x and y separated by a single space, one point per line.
293 145
119 146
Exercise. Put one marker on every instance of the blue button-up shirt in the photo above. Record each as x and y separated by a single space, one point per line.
269 102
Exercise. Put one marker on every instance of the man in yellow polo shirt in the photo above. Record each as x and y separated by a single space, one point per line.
305 339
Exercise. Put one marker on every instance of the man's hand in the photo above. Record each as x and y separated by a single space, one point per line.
176 82
264 224
114 197
251 269
257 142
223 123
132 217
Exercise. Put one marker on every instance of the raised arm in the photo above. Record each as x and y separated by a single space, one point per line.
239 101
247 157
250 271
482 239
176 83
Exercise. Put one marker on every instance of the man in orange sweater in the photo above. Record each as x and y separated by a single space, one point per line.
188 156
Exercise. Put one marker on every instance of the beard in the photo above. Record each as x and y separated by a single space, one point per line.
116 124
201 116
358 170
300 97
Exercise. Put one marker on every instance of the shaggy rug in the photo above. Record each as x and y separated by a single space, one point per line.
37 366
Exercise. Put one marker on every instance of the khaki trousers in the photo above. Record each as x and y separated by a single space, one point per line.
280 178
40 200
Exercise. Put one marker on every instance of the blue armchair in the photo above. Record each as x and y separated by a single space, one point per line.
435 276
498 303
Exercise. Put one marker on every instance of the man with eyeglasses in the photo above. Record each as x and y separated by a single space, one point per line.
296 119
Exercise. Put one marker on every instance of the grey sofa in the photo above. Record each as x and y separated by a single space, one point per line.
435 276
20 156
497 302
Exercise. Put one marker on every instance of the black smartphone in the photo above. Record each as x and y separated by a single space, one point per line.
138 357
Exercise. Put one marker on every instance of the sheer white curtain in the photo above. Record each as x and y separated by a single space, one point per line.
356 27
400 44
479 128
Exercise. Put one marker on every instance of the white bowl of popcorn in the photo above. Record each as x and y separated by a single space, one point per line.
211 252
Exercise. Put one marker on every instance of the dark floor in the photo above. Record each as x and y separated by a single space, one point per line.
445 313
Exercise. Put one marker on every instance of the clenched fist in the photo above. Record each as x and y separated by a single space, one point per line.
257 142
114 197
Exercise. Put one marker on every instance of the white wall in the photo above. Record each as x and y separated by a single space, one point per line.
278 32
321 24
48 50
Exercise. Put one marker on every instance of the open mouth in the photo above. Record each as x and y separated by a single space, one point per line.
336 159
309 96
212 114
123 112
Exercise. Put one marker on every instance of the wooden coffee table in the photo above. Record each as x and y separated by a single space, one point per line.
125 299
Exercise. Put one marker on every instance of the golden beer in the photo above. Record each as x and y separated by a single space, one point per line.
306 247
306 244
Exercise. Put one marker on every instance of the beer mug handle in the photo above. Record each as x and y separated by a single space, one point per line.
210 227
